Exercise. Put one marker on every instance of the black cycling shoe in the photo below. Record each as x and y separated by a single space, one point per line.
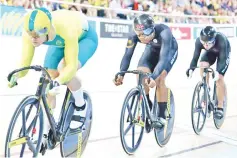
219 113
44 146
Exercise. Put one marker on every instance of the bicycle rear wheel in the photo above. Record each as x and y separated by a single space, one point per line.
135 116
163 135
75 141
199 107
26 133
219 122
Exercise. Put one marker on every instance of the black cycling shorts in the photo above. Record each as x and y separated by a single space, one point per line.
150 58
211 58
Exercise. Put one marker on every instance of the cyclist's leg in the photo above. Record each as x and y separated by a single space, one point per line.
87 47
147 64
221 67
52 58
207 59
161 89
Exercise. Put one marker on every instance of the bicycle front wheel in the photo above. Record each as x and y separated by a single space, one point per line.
199 108
133 105
30 109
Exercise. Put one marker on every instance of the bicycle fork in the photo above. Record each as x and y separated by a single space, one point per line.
137 119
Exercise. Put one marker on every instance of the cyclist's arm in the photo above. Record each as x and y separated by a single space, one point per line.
197 51
165 56
131 45
27 54
71 51
223 58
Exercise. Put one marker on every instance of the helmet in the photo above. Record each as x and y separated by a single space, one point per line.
208 35
38 21
143 23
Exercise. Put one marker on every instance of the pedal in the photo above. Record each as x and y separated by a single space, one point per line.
148 126
209 111
43 149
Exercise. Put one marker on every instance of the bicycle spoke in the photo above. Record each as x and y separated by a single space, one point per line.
27 115
203 114
130 109
32 125
197 102
22 149
135 110
196 109
23 122
128 128
133 136
129 113
198 120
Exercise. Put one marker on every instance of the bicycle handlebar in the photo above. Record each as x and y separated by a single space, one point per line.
133 72
36 68
206 69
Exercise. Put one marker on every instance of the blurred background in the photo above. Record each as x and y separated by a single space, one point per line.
173 7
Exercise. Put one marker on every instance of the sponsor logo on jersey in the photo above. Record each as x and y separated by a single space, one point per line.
130 44
155 40
59 43
139 26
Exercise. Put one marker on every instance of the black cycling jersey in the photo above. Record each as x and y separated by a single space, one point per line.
221 51
160 53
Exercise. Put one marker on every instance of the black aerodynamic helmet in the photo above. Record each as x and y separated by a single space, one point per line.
144 23
208 34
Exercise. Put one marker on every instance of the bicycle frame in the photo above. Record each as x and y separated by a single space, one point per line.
140 87
207 96
57 130
145 101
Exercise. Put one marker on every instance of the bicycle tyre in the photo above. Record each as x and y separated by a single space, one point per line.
130 150
82 138
26 101
196 90
219 123
162 141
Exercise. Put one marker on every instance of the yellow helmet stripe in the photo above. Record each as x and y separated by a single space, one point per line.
46 12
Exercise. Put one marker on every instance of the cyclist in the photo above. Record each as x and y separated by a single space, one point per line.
216 46
160 54
72 42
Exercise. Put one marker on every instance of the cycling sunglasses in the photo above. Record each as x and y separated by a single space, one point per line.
38 33
146 32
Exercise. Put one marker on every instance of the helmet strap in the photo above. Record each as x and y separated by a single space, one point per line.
47 38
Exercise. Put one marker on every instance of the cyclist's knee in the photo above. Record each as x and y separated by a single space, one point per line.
53 73
143 69
160 81
74 84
